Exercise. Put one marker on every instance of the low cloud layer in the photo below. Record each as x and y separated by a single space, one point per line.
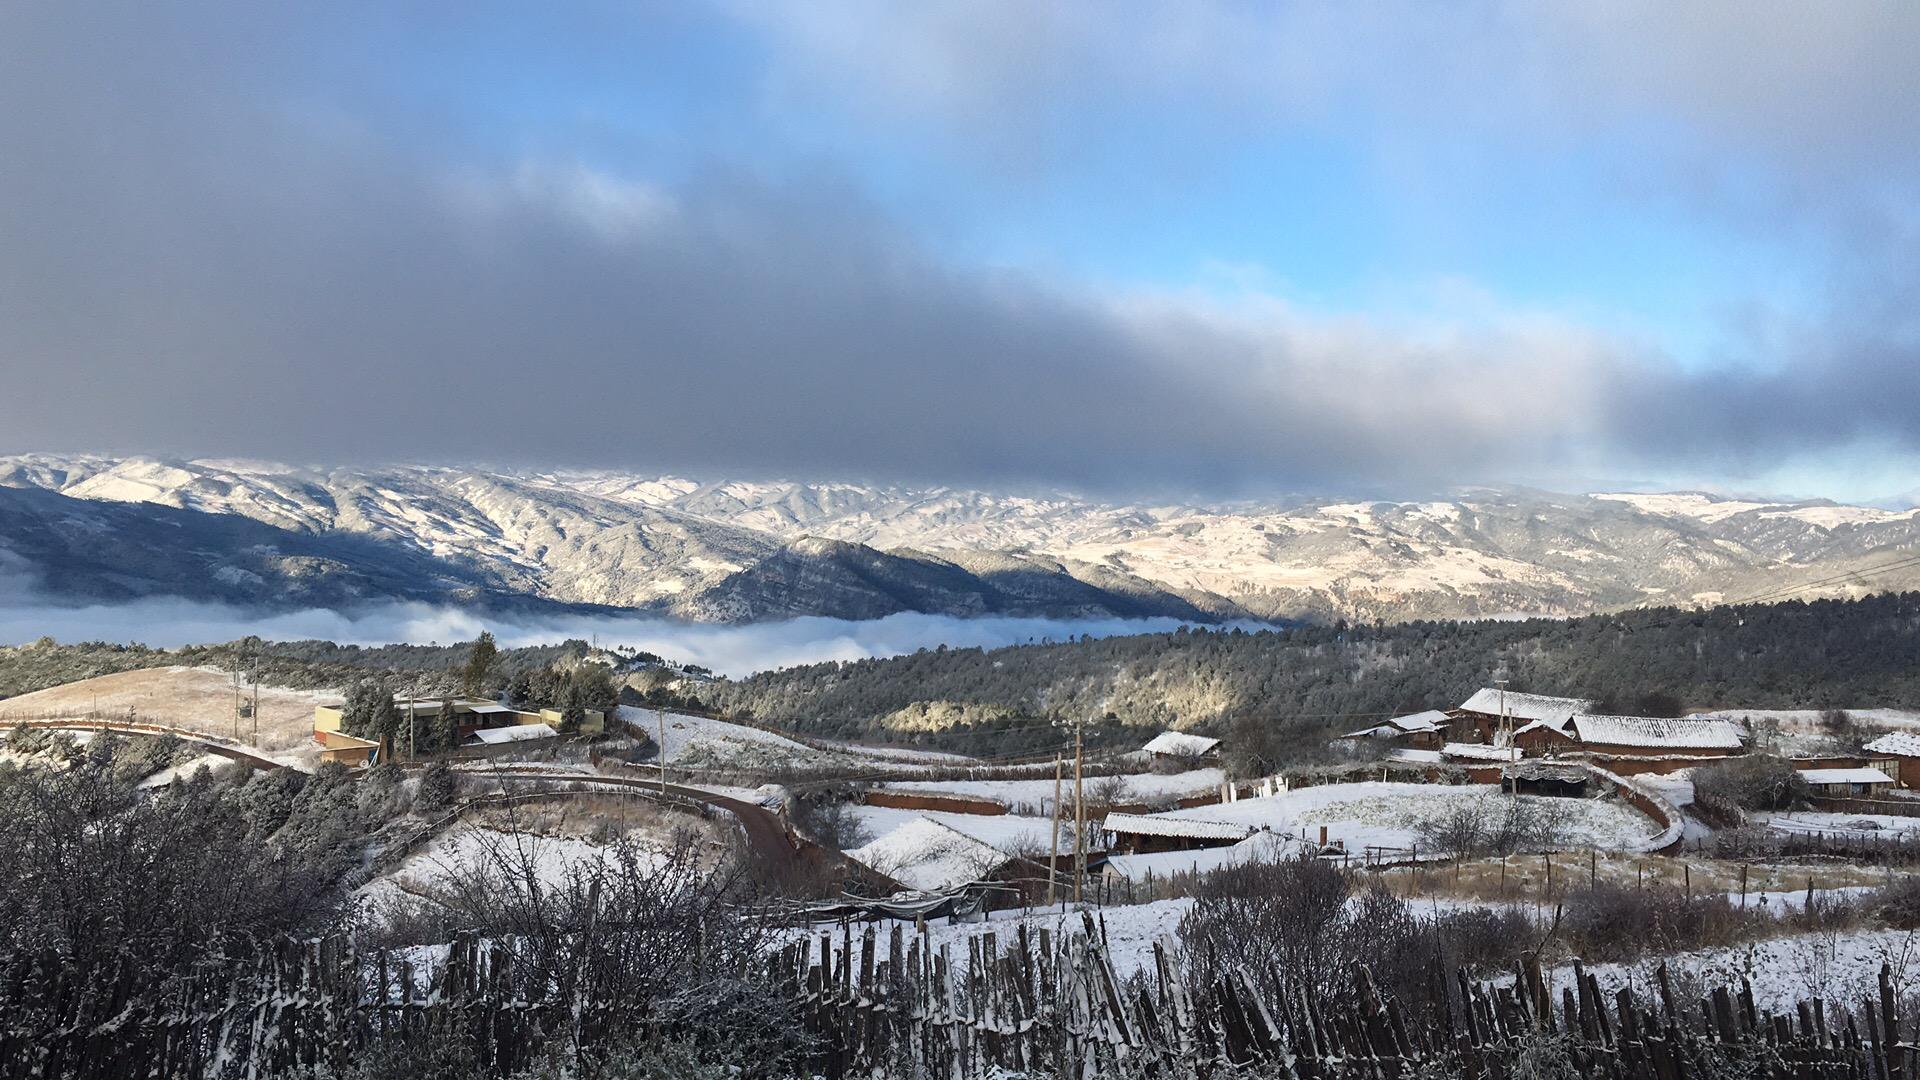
729 650
212 244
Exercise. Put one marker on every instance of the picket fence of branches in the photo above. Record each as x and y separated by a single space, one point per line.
1043 1004
1033 1003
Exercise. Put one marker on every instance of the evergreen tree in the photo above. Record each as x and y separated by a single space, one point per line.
573 707
436 787
445 728
370 712
480 659
520 690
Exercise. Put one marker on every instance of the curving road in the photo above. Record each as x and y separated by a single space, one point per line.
211 743
768 835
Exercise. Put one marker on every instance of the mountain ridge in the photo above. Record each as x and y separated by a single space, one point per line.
748 551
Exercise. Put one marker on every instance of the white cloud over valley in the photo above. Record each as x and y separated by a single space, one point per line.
729 650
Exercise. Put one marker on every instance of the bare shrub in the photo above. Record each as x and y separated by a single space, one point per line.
1898 903
1268 916
830 822
599 928
1110 791
1484 938
1496 825
1611 922
1839 724
1752 782
1296 924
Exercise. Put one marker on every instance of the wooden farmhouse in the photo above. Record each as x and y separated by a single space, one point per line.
1897 755
1416 731
1491 712
1629 736
1141 833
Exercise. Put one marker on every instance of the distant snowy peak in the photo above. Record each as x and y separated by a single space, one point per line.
737 549
1712 508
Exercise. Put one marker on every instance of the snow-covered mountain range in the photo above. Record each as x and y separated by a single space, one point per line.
748 551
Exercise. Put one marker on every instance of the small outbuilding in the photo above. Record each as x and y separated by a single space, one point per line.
1897 755
1142 833
1181 748
1842 783
518 733
1418 731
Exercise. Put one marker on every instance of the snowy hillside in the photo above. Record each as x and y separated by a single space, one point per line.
751 551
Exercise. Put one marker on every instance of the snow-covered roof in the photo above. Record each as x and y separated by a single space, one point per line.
925 855
1520 706
1418 757
421 701
1654 732
1431 720
492 707
1180 744
1845 776
1188 828
517 733
1260 847
1900 744
1541 725
1478 751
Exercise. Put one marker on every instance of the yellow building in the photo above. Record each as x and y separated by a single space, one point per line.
594 724
469 717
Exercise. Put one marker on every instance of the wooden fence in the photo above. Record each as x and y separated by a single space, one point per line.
1032 1002
1048 1007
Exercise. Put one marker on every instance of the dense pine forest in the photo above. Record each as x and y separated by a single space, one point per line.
1299 681
1820 654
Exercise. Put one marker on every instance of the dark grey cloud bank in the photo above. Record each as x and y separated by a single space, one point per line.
215 240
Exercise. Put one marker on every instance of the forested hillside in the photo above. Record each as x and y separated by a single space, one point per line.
1307 679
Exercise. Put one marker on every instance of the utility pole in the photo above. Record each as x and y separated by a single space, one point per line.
1079 811
1506 722
1053 858
236 705
255 672
660 713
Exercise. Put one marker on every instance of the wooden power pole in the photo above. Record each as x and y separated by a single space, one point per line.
1053 849
1079 812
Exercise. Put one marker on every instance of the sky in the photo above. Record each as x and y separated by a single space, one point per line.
1190 249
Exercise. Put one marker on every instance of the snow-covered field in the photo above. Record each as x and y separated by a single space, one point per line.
193 698
460 847
1035 796
928 856
1807 721
699 742
1388 815
1783 971
692 739
1852 826
1011 833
